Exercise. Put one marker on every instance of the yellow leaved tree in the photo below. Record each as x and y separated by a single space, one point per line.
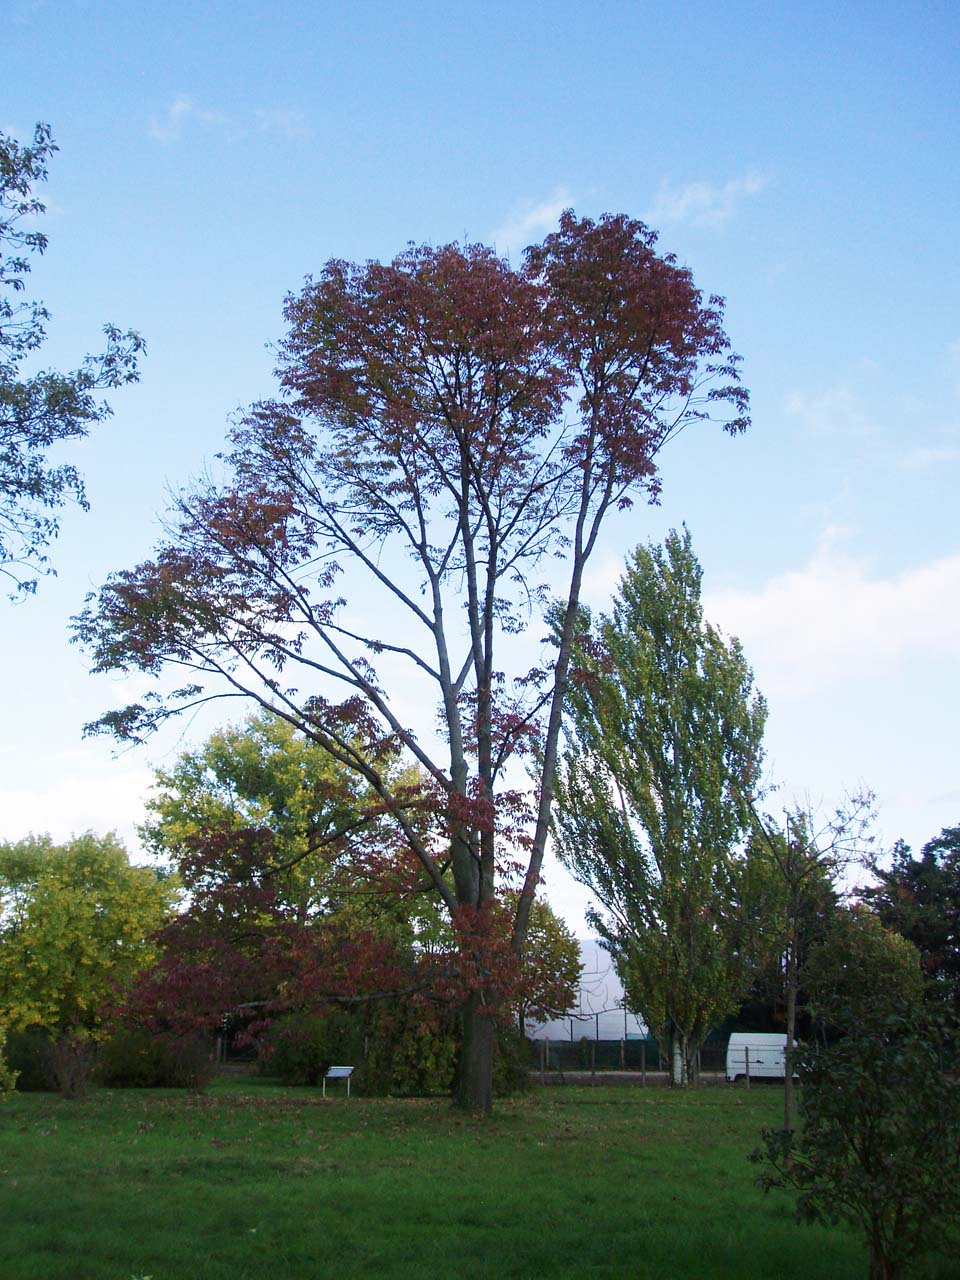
76 923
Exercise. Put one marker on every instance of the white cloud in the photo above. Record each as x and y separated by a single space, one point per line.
182 111
704 204
283 122
830 622
530 221
81 797
601 579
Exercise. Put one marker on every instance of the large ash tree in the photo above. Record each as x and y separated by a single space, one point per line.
448 427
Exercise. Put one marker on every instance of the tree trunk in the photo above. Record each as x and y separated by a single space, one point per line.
880 1267
791 1031
680 1075
474 1085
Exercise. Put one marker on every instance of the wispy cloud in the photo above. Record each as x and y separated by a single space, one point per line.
924 459
282 122
529 221
704 204
830 411
185 113
182 112
953 364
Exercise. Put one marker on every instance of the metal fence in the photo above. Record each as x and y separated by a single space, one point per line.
638 1057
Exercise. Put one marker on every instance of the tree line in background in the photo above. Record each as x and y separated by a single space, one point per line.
259 922
878 1143
278 898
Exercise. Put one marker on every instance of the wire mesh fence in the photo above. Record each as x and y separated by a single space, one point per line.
638 1057
753 1059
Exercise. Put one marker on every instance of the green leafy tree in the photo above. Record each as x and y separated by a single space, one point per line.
920 898
862 973
323 819
8 1078
37 410
765 1008
275 841
808 857
879 1140
664 740
550 967
76 927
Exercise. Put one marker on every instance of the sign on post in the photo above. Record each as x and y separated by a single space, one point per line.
338 1073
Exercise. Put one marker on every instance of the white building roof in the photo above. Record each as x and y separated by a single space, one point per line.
598 1013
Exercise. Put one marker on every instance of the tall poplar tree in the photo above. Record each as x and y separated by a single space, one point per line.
664 738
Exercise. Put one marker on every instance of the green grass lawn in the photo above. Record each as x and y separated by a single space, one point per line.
255 1180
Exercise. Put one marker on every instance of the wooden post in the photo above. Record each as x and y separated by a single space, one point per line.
593 1062
543 1061
623 1060
746 1062
643 1062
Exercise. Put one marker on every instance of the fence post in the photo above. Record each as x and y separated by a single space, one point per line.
746 1062
643 1062
593 1062
543 1061
623 1061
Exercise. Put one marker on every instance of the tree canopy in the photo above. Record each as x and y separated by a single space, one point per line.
286 912
862 974
879 1146
450 430
325 824
664 741
39 409
76 926
807 855
920 898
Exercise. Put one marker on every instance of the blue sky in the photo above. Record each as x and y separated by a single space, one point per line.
802 161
